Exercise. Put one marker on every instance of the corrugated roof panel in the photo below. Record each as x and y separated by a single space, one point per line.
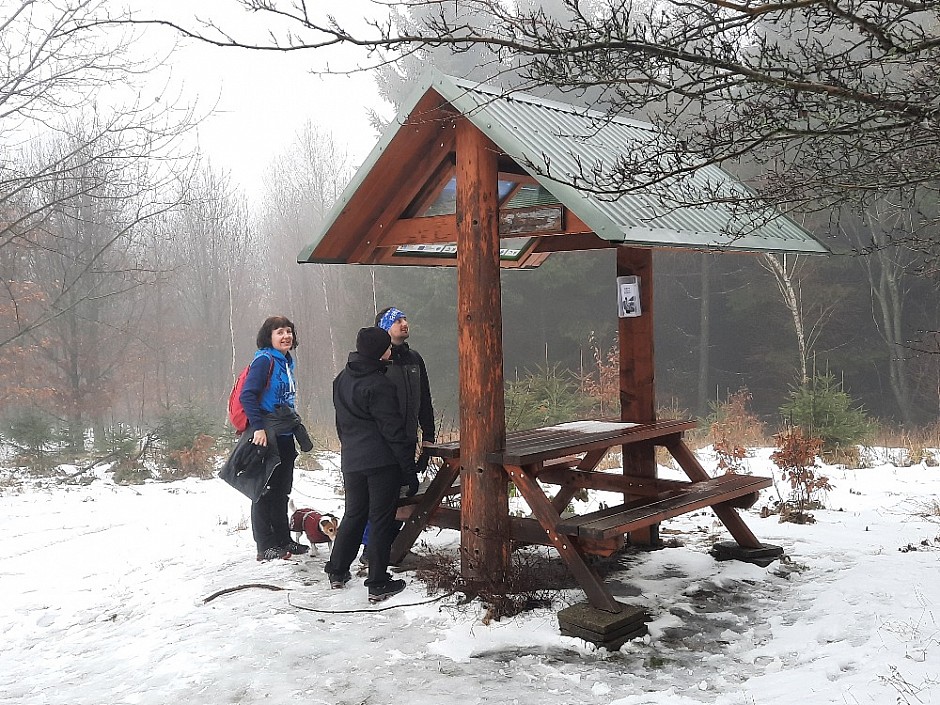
563 139
567 143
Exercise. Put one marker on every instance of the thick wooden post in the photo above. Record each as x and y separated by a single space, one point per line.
484 504
637 383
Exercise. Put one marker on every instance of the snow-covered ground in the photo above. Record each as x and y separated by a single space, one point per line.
103 591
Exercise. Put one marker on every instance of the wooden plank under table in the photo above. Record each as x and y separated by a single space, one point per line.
623 518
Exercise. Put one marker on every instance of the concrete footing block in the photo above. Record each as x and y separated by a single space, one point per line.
731 550
608 629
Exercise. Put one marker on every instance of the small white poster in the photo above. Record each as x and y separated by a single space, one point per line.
628 299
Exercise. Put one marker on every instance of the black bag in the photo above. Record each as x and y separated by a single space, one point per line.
249 467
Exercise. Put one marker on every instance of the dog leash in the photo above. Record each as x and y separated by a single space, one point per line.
265 586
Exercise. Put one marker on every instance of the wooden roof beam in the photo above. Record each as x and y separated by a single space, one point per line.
404 193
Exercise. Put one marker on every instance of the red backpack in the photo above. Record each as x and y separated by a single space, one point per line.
236 412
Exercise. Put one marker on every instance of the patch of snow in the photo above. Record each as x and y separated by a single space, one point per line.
104 591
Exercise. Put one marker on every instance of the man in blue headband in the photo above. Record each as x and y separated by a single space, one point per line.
410 376
408 373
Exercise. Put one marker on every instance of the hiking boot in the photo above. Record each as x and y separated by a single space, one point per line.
273 554
338 581
377 593
298 549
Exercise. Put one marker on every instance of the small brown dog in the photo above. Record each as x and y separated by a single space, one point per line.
316 526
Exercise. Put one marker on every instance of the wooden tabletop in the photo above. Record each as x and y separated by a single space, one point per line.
572 438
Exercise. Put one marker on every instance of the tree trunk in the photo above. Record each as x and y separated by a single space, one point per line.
884 274
637 382
704 337
783 276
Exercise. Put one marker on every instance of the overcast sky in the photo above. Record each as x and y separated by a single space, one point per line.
260 100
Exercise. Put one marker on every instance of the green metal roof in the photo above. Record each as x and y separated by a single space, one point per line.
556 143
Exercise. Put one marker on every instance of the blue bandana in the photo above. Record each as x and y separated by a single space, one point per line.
388 320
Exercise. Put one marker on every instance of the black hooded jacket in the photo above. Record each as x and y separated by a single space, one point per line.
369 421
410 377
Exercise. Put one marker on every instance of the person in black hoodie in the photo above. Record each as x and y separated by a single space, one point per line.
407 371
376 455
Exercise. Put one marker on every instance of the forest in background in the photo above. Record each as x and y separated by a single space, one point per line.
135 277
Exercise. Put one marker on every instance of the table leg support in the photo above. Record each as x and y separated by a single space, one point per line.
727 515
597 593
432 498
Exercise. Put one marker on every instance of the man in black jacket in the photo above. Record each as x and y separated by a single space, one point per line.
377 454
410 376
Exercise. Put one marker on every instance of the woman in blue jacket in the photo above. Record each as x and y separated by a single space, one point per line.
268 385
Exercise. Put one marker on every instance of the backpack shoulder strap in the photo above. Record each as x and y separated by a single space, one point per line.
270 369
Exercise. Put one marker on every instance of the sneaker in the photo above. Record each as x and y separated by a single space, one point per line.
339 581
273 554
377 593
298 549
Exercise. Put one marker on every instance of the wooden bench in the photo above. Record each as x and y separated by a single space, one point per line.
567 455
624 518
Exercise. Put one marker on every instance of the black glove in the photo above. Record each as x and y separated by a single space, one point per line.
303 438
409 479
421 465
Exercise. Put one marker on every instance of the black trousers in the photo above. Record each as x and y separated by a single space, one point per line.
370 498
270 524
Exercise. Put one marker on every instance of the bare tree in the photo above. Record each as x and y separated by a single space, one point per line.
327 303
49 72
834 101
785 270
209 287
58 146
882 229
83 263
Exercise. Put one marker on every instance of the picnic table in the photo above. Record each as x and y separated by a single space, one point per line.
567 455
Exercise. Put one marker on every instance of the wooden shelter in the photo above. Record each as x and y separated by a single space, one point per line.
468 176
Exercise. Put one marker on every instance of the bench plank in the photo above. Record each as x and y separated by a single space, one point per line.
609 481
630 516
537 444
542 444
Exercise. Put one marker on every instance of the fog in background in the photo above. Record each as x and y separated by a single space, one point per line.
136 270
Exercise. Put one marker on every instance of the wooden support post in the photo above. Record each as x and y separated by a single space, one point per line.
484 531
637 383
427 504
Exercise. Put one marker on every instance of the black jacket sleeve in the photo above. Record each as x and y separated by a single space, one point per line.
426 408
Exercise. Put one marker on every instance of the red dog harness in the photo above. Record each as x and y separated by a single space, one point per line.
308 521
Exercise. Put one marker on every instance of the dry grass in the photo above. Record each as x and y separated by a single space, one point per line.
733 425
323 436
928 509
909 447
536 576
